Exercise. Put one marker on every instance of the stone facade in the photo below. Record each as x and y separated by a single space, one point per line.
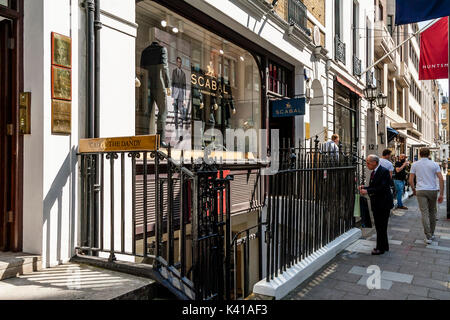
310 25
317 9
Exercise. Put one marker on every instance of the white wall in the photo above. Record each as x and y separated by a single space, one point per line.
51 166
50 176
117 101
33 144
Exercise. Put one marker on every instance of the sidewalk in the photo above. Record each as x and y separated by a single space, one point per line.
411 270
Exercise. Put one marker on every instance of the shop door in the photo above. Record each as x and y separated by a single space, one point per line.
286 127
6 219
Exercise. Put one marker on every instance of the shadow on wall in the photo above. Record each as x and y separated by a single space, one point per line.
55 195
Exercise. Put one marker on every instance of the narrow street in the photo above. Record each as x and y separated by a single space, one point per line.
411 270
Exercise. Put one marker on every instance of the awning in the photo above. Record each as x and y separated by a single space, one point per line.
351 87
391 133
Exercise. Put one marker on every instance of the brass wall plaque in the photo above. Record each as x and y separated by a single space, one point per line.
25 113
136 143
61 83
61 117
61 50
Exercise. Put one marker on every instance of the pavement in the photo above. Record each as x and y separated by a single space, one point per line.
411 270
75 282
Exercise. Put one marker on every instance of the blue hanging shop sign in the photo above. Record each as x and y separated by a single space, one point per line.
288 107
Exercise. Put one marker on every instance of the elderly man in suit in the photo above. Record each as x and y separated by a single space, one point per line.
179 92
381 200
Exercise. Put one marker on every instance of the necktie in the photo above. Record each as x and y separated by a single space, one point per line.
372 175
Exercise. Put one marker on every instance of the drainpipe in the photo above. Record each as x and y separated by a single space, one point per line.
89 5
327 72
97 26
92 115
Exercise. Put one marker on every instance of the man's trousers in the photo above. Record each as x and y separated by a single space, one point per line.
381 218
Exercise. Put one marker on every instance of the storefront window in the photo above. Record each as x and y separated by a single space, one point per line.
191 82
345 115
278 79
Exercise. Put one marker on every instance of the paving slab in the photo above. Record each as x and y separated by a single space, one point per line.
397 277
414 297
384 284
439 294
71 282
13 264
438 248
400 229
431 283
411 270
422 241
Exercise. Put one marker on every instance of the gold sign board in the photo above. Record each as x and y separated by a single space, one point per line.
61 117
136 143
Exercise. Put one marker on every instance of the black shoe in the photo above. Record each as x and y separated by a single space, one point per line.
164 145
376 252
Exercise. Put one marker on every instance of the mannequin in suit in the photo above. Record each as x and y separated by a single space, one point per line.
179 92
154 60
198 102
226 102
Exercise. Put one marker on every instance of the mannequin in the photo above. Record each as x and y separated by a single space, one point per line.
154 60
179 93
197 98
226 102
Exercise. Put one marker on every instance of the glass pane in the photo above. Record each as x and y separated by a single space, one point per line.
214 84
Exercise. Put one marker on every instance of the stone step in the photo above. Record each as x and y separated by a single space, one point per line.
73 281
13 264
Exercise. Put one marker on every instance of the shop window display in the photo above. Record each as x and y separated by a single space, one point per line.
190 81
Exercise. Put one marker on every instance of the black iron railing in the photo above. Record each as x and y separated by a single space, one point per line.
339 49
175 216
298 15
356 66
310 203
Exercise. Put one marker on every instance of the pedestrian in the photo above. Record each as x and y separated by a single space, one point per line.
332 145
385 161
400 179
381 201
427 173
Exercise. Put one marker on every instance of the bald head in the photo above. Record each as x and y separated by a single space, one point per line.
372 161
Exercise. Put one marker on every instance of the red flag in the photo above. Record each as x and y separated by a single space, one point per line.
434 51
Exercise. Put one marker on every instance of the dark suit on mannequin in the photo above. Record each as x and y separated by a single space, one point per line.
381 200
154 60
179 94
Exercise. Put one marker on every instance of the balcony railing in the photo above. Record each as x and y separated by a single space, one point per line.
370 78
356 66
297 14
339 50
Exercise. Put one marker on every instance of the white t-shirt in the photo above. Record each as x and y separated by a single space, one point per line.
425 171
331 147
386 164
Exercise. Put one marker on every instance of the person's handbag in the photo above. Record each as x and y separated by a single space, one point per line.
357 208
365 213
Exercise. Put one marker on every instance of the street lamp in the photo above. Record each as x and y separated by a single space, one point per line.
381 101
370 94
